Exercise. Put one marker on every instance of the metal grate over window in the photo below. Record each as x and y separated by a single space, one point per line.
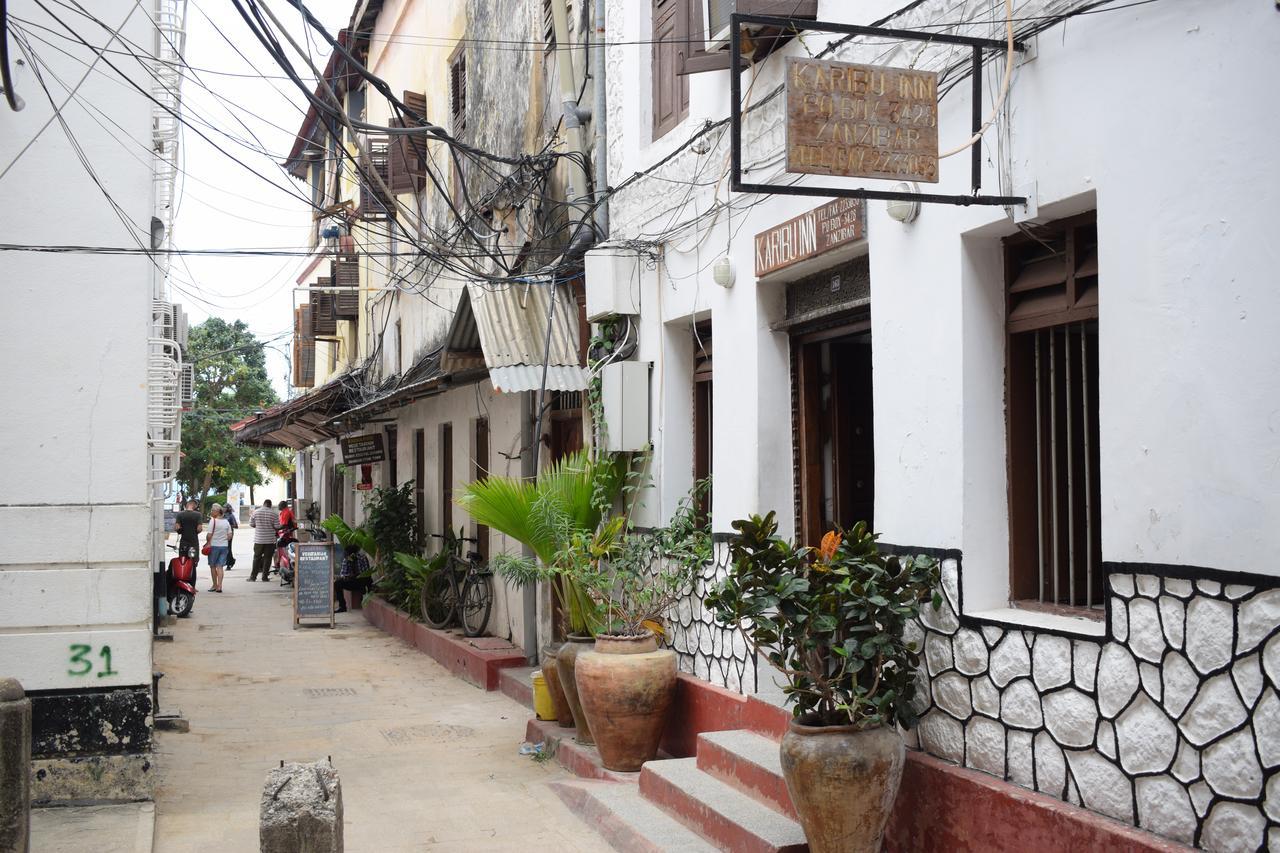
1054 494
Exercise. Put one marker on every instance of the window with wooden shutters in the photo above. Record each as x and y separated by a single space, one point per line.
323 321
345 271
1055 542
446 477
480 470
710 50
458 115
304 348
549 26
409 153
674 23
375 159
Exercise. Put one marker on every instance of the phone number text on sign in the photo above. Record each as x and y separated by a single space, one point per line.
867 121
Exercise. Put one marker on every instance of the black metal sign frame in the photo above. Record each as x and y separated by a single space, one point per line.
736 21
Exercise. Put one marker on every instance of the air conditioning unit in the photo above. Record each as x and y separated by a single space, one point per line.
624 393
613 283
180 321
187 387
716 15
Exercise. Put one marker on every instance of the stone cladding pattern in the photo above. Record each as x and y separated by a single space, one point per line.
703 648
1172 724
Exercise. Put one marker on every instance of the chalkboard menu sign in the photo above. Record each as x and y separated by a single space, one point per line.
313 582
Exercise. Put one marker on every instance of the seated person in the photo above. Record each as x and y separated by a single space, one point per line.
354 575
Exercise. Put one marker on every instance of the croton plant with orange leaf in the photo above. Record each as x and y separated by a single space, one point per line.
831 619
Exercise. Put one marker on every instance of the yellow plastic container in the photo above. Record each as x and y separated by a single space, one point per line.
543 707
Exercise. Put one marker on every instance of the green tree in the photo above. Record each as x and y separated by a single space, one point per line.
231 383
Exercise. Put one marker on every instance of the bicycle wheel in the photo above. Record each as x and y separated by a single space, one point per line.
439 597
477 601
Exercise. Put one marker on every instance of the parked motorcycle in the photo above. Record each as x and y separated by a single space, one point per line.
181 586
286 553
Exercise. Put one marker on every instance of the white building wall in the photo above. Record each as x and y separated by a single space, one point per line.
74 506
1150 116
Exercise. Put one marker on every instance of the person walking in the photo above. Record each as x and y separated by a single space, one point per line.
264 521
188 524
219 542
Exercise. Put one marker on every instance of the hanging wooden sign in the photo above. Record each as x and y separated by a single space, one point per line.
363 449
866 121
809 234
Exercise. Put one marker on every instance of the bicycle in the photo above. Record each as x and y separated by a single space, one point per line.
460 589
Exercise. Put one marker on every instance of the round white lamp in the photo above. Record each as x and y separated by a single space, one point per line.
900 209
723 272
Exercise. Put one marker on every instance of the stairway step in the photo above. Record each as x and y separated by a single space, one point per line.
626 820
749 762
722 813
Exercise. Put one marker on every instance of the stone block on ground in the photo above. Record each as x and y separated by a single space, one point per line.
301 810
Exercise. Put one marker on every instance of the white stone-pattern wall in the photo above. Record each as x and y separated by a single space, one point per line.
1171 724
709 651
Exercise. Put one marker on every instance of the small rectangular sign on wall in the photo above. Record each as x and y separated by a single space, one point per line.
363 449
864 121
810 234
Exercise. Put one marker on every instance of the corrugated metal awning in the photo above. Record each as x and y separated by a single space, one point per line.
504 328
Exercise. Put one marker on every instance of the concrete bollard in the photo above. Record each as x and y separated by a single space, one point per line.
15 768
301 810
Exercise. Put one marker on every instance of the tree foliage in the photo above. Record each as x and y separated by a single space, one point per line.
231 383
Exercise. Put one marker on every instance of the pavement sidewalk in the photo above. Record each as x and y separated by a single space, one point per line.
427 761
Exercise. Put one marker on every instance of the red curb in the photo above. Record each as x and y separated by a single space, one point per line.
482 666
582 761
517 689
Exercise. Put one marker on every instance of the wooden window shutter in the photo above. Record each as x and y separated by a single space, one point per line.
323 321
374 203
458 90
408 153
346 274
548 23
304 348
676 23
758 42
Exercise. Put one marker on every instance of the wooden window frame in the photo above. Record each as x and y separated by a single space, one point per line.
446 476
1050 330
457 76
686 20
703 411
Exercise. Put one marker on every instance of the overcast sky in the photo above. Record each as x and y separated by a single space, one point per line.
223 204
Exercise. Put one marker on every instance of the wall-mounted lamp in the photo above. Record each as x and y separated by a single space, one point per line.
724 273
900 209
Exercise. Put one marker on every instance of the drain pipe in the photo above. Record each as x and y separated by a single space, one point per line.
600 123
576 185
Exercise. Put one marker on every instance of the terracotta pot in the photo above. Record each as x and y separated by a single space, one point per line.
626 685
842 781
566 664
551 673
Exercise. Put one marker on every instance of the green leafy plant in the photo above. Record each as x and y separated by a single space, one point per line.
552 516
348 535
391 522
831 620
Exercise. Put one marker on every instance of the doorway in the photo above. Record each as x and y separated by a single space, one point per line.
835 449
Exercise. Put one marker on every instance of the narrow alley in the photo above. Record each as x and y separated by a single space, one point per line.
427 761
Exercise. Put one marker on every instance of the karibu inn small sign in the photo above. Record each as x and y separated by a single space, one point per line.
363 449
810 234
865 121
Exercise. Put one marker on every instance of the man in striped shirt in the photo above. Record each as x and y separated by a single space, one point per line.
264 521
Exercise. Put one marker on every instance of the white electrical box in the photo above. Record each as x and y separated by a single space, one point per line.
613 283
624 391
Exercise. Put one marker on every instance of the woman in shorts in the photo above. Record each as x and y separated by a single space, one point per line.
219 541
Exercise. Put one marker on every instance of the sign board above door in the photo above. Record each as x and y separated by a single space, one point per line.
363 449
810 234
867 121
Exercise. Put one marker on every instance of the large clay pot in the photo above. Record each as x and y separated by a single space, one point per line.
566 665
626 685
842 781
551 673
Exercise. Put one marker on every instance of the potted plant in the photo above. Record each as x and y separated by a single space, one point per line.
626 683
833 621
567 500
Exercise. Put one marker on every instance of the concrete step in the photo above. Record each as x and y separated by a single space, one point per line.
729 818
582 761
749 762
517 682
626 820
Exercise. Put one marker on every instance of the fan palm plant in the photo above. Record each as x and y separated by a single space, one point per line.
565 504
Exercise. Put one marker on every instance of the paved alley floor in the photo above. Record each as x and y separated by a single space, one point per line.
427 761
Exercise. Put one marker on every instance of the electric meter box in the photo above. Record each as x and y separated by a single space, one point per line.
624 392
613 283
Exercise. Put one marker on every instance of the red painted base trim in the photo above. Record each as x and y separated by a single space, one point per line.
478 660
519 690
748 777
944 807
701 707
